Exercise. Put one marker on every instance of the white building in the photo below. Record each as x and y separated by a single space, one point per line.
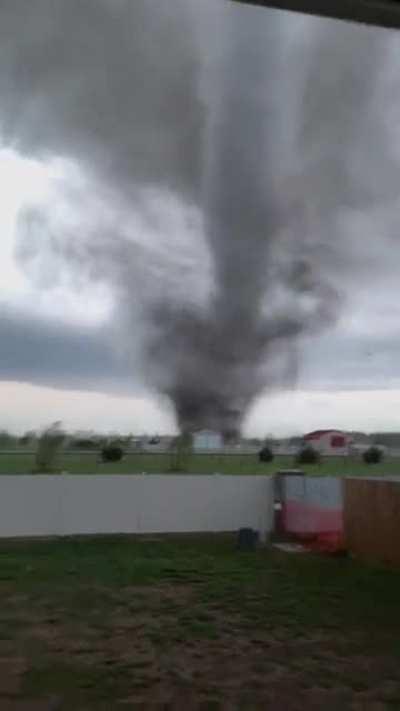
207 441
329 442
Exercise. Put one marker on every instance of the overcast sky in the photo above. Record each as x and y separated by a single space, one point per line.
64 178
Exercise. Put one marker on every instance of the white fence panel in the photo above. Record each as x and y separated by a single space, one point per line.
29 505
89 504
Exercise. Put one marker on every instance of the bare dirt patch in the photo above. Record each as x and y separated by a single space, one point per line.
236 632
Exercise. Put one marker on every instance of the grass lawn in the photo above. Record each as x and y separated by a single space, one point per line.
190 623
78 463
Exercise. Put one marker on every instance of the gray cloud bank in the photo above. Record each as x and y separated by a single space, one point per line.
45 352
48 353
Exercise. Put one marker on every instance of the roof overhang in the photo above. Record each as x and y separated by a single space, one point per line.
383 13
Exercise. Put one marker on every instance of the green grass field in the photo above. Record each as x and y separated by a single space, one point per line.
77 463
189 622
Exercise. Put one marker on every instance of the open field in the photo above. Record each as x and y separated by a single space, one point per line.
188 623
82 463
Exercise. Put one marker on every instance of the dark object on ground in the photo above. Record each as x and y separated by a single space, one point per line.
111 453
308 455
84 443
247 539
265 454
373 455
290 472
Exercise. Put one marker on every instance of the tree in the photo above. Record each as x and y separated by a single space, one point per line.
181 452
6 439
27 438
49 445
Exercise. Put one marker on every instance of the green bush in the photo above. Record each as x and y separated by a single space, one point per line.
112 453
373 455
308 455
266 454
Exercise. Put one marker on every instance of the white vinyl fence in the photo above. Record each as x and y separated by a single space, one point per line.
40 505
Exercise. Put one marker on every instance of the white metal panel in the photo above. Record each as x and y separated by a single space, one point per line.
89 504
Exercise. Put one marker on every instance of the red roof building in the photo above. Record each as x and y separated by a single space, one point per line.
329 442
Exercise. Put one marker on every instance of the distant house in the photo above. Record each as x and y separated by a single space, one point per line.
329 442
207 441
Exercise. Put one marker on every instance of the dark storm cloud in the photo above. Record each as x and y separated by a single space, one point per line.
270 128
48 353
111 83
53 354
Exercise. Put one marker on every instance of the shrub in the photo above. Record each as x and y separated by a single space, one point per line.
266 454
112 453
49 445
373 455
308 455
